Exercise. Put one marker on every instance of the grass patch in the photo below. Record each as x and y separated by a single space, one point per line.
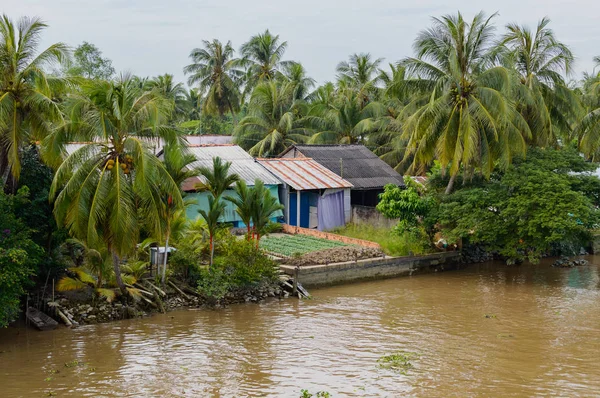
391 243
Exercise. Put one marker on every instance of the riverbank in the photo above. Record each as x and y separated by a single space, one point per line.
372 268
82 308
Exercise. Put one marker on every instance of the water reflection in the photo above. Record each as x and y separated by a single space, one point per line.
488 330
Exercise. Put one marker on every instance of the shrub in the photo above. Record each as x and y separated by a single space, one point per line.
241 266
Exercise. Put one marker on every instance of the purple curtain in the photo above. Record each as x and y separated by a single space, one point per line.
330 211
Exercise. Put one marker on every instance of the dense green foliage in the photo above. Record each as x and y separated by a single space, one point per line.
241 266
19 254
538 206
89 63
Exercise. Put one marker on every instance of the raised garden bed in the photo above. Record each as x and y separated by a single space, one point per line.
296 245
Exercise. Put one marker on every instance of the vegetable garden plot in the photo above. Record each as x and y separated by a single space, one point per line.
291 245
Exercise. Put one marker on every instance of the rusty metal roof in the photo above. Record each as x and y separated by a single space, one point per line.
356 163
304 174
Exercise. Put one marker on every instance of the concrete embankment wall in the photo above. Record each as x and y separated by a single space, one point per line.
378 268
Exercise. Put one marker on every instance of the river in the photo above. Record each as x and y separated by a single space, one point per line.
487 330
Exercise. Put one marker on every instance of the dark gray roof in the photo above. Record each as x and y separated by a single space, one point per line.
361 167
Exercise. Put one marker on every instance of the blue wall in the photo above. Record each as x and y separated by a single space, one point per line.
307 199
229 216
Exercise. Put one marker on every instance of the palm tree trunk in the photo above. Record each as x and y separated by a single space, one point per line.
212 250
248 233
117 269
450 184
257 239
232 113
164 269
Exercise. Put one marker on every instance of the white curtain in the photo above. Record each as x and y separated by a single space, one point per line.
330 211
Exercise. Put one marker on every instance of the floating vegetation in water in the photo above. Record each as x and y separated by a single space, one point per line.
73 363
50 378
504 335
320 394
53 371
490 316
399 362
51 394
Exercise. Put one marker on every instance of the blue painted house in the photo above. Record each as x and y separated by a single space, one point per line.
242 164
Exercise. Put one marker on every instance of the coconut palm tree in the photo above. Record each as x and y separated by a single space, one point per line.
101 190
216 179
244 203
345 121
463 116
216 207
177 164
262 56
588 130
214 69
273 121
543 97
295 73
359 73
168 88
28 104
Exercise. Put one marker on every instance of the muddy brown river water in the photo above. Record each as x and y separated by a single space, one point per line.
540 338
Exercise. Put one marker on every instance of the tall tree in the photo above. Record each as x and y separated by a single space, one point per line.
101 189
28 104
464 117
262 56
168 88
177 163
89 63
359 73
544 99
295 73
273 121
588 129
214 69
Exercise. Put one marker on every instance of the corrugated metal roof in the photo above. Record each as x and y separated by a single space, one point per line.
355 163
304 173
242 164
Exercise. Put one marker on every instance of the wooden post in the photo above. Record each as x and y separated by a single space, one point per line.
295 287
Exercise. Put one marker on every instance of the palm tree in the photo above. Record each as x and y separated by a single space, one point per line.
244 202
217 180
359 73
273 121
166 86
544 99
101 189
176 162
262 56
588 130
214 69
345 120
463 116
216 207
295 73
264 206
28 105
